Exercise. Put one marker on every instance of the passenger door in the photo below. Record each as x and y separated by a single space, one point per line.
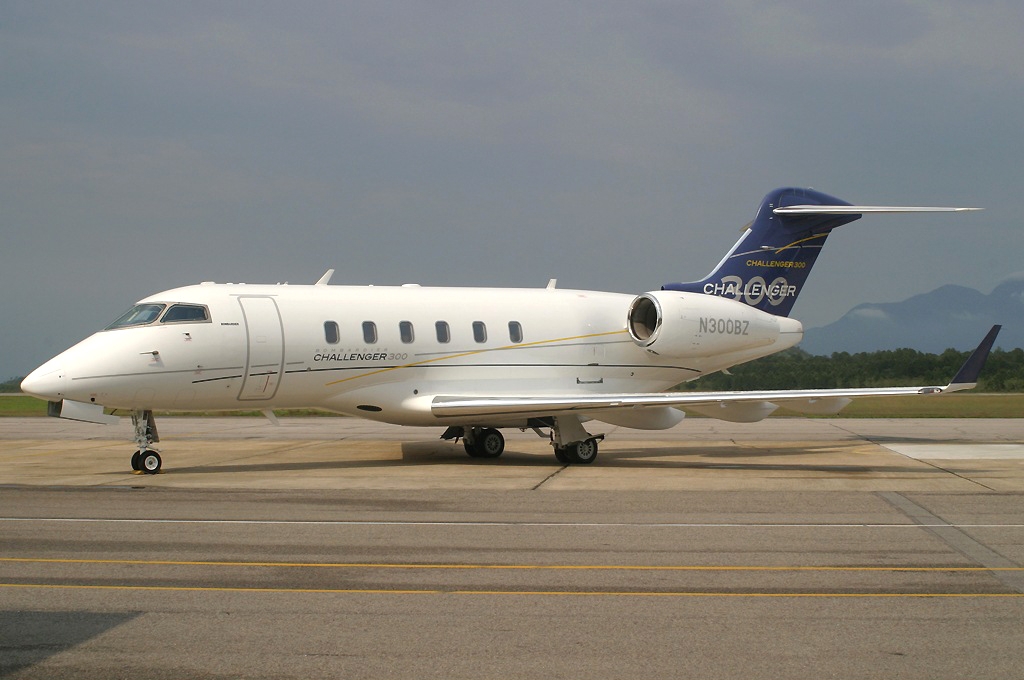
264 363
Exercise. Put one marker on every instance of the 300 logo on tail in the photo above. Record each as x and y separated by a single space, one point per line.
754 291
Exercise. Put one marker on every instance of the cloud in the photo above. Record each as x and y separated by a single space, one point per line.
148 146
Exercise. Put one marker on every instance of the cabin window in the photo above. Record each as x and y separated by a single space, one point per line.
444 333
406 332
331 333
479 331
139 315
515 332
186 314
369 332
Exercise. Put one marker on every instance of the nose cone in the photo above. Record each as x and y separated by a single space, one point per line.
48 382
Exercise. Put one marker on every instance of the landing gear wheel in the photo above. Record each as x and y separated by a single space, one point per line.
562 454
490 443
136 458
149 462
584 452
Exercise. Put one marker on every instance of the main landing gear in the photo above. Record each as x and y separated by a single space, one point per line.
579 453
483 442
572 443
147 459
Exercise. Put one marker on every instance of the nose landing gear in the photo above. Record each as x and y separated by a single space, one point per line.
147 459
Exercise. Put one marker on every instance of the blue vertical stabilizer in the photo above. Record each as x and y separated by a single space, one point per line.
768 266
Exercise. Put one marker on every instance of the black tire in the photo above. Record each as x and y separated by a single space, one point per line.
490 443
584 452
149 462
136 464
562 454
470 449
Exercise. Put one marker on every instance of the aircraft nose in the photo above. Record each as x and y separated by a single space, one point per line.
49 382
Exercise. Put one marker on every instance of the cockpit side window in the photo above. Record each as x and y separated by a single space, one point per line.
139 315
183 313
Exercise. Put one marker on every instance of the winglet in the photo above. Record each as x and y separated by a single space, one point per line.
326 278
967 377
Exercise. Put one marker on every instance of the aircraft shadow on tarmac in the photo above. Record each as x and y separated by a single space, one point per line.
30 638
414 454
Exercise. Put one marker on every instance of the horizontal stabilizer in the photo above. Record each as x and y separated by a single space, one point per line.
861 209
768 266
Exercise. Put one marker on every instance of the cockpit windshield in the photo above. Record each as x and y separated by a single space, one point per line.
139 315
186 314
146 314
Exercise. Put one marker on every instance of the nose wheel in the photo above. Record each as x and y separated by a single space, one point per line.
147 462
147 459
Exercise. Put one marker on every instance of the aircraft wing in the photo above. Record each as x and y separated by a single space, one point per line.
741 406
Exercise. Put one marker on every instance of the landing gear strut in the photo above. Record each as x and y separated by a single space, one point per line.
147 459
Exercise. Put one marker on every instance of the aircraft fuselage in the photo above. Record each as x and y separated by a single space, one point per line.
385 352
473 359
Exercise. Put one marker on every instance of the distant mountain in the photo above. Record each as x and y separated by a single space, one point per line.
950 316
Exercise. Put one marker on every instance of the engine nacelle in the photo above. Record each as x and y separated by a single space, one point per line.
676 324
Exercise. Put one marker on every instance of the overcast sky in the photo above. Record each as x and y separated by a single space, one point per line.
613 145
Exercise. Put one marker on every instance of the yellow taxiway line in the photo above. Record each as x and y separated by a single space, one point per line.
581 593
525 567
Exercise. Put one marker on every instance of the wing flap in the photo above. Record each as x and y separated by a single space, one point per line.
456 407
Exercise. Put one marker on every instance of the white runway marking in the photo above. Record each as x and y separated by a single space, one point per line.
959 451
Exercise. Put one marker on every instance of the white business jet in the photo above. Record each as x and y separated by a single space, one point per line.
473 360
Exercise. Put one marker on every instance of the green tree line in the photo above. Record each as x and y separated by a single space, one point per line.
796 369
12 385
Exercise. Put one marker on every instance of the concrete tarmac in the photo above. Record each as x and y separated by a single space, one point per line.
327 547
698 454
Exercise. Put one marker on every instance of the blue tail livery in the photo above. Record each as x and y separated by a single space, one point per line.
768 266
